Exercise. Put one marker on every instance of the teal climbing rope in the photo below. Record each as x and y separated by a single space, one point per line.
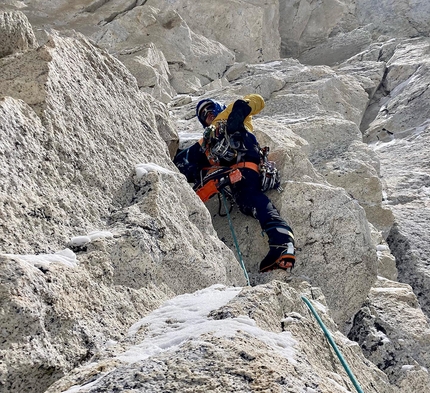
235 239
333 344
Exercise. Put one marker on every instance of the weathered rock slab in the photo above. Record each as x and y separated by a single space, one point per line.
16 33
264 338
394 334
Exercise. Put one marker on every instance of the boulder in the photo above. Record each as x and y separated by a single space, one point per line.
241 340
397 345
168 31
16 33
248 28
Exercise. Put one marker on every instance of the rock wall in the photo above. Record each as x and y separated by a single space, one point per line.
90 188
264 338
98 228
331 31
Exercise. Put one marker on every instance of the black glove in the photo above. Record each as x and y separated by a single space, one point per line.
239 112
236 141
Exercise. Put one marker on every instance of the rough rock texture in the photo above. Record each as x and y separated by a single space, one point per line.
394 18
16 34
189 54
274 344
386 261
63 106
400 133
150 67
249 28
86 169
331 31
394 334
308 24
345 251
58 316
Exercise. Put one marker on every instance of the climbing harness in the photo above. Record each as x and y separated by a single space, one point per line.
242 264
219 177
215 180
333 344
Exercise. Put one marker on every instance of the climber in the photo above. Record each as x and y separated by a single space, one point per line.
228 143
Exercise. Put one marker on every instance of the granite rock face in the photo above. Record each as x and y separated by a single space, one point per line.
331 31
399 133
90 188
188 54
263 338
394 343
16 34
98 228
248 28
55 316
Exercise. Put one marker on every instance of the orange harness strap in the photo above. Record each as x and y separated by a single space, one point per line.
211 187
246 164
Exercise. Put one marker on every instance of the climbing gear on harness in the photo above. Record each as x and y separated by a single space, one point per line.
246 164
269 174
216 180
282 254
218 144
219 177
208 105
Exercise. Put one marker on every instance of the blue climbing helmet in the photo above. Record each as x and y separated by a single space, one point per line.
208 105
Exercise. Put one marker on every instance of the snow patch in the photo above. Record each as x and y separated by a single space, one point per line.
80 241
66 257
185 317
143 169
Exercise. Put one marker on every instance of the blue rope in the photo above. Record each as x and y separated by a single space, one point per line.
333 344
235 239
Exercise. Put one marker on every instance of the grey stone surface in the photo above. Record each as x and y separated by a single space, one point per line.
399 134
249 28
55 316
81 153
16 33
394 334
85 152
331 31
277 346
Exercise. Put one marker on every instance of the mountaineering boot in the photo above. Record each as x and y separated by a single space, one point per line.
282 254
